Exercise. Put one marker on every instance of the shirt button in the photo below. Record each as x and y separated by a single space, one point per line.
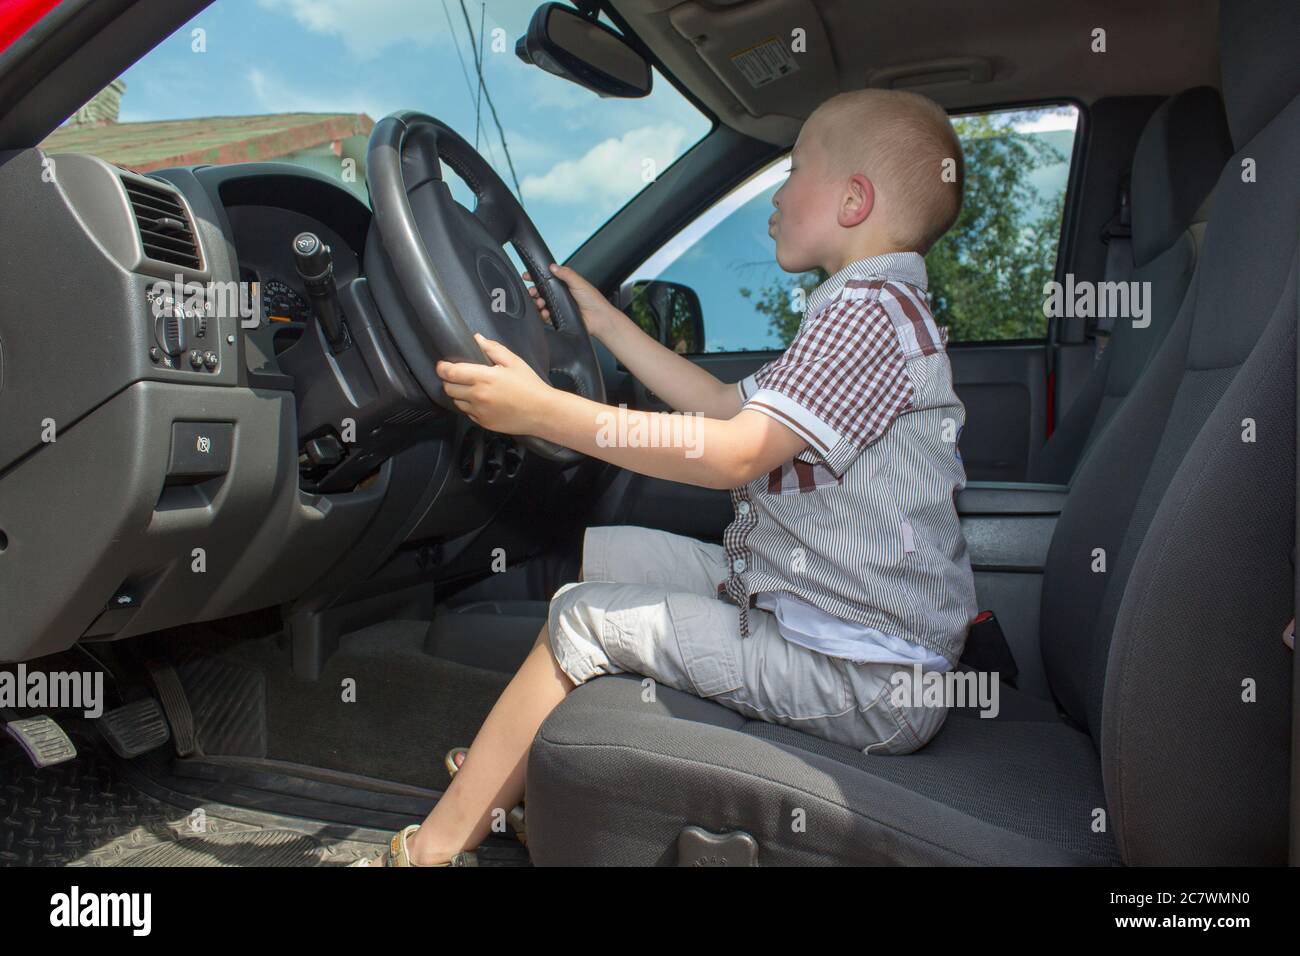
743 508
738 565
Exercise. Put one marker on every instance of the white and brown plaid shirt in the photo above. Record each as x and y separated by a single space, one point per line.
862 524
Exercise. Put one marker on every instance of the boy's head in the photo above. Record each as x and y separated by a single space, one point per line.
873 171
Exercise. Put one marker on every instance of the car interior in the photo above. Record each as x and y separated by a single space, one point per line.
296 621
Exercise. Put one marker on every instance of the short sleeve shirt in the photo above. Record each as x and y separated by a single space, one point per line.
862 524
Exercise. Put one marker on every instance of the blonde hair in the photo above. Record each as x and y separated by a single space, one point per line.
900 141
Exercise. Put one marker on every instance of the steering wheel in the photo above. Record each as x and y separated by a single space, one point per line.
452 272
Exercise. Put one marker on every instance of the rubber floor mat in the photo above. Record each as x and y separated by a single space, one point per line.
85 813
227 700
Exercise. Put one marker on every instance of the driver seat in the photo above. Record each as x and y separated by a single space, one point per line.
1157 753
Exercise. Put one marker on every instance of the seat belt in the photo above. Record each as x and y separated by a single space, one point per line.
1117 234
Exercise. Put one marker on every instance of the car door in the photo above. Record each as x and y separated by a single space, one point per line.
715 294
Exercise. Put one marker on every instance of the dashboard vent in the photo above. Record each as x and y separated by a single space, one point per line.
165 228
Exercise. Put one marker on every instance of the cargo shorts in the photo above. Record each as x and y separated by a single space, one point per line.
647 604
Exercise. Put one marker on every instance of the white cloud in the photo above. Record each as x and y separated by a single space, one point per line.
368 27
274 95
613 168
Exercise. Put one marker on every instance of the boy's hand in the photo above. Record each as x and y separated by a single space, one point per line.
506 397
595 308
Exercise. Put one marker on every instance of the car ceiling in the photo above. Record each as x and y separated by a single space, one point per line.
1000 51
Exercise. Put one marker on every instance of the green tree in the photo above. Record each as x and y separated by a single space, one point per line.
987 274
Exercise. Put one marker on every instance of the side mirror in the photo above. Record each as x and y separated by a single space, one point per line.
562 41
669 312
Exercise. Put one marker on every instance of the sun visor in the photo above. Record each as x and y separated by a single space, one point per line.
773 55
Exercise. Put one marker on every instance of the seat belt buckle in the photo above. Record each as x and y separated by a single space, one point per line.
987 648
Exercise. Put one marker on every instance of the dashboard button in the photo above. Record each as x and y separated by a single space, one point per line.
200 449
196 359
210 360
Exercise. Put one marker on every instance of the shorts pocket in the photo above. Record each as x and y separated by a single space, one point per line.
708 641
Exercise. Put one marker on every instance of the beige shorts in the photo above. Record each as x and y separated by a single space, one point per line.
648 605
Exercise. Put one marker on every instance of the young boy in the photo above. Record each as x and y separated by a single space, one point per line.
845 562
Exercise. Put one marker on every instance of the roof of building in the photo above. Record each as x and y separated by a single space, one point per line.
214 139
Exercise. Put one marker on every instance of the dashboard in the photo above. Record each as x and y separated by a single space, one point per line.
182 440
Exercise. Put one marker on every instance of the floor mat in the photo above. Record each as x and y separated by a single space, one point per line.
86 813
382 707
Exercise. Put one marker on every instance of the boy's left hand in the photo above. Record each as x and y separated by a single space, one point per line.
507 397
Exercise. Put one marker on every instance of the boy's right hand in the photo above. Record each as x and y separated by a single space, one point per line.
595 308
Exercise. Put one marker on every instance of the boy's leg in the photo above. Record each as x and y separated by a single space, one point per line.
487 787
691 642
630 554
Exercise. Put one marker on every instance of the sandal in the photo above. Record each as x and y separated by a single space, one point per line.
455 759
397 855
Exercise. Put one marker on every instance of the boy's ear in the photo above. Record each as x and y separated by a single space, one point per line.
859 200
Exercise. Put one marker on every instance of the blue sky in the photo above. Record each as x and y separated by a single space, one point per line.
578 157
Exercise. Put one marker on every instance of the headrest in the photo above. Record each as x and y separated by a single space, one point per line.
1258 62
1180 154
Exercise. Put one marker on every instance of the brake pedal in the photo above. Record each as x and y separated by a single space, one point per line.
42 739
175 705
135 728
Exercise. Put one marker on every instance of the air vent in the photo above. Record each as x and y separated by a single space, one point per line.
165 228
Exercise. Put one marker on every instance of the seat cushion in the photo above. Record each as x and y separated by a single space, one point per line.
613 779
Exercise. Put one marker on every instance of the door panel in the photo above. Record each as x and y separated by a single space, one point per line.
1004 390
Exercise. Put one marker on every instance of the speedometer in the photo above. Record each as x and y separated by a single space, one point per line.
282 303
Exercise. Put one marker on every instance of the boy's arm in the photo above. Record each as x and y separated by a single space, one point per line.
698 450
679 382
682 384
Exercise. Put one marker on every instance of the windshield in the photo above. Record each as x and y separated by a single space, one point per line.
303 82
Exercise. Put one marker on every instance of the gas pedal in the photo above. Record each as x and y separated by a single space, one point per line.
135 728
42 739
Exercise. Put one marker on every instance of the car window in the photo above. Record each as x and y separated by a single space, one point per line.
303 82
986 275
726 257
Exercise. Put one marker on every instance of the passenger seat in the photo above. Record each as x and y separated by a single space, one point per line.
1178 158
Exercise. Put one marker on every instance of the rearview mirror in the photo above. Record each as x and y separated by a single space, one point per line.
562 41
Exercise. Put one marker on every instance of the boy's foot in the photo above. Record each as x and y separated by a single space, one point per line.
398 853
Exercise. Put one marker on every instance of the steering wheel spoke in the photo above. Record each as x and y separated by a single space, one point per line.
497 219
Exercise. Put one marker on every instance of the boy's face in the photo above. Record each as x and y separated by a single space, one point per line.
806 221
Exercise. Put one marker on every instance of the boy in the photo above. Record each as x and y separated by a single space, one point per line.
845 562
